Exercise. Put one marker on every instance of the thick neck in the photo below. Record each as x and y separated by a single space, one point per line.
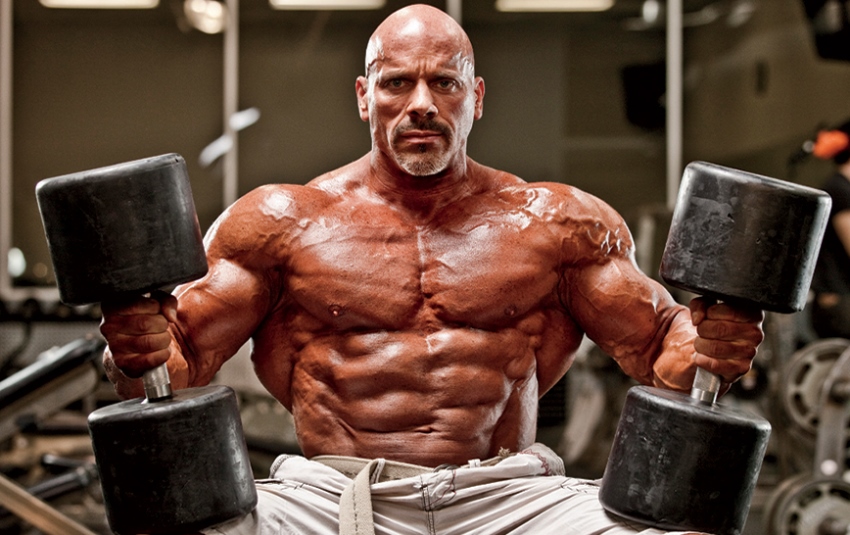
422 196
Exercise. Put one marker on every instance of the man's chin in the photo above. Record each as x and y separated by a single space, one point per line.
420 171
423 167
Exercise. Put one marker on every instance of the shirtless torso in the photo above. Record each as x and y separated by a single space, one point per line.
416 338
414 305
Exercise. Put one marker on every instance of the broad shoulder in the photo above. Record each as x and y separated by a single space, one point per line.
281 201
558 203
272 213
587 227
262 210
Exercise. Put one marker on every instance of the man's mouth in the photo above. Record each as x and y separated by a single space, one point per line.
424 132
416 137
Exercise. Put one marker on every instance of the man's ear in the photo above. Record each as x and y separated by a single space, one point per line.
361 87
479 97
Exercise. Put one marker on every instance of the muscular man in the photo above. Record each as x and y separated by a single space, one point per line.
413 306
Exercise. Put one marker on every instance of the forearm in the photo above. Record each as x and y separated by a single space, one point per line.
674 367
662 356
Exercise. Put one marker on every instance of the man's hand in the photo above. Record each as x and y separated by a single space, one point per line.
137 331
727 337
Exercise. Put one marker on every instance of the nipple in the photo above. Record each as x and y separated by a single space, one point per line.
336 311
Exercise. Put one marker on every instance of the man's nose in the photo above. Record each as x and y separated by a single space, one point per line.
422 101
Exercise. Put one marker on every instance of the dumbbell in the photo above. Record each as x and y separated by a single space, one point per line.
687 462
173 461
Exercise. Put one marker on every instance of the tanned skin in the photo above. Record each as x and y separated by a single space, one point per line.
414 304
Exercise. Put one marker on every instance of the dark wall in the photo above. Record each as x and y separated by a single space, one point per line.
93 88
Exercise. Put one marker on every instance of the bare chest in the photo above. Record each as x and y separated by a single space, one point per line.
481 272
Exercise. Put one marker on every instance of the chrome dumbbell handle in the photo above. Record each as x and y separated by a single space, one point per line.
706 386
157 383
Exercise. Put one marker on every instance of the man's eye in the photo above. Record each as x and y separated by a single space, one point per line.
446 84
395 83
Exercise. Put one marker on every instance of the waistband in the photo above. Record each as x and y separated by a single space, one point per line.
355 505
394 470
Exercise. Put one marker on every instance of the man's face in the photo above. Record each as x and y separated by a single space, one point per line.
420 100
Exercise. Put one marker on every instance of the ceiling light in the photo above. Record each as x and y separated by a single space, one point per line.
208 16
742 11
554 5
327 4
651 11
100 4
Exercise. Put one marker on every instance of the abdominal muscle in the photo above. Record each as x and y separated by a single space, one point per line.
448 396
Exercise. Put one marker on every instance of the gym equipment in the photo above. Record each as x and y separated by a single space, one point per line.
818 502
803 505
128 229
171 462
39 514
688 462
803 380
59 377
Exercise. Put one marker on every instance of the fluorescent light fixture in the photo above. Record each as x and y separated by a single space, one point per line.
554 5
208 16
100 4
327 4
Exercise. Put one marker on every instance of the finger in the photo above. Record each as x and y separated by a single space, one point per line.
135 365
168 304
728 330
729 370
725 349
705 307
136 325
698 307
729 312
127 307
121 344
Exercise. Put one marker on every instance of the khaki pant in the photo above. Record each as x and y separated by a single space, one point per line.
525 493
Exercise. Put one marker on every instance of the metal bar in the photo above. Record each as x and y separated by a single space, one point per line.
455 10
674 100
7 291
230 181
5 143
36 512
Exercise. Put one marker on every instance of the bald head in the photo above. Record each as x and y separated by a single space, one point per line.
423 26
420 94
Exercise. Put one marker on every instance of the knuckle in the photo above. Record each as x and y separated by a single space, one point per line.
149 324
151 343
720 330
136 364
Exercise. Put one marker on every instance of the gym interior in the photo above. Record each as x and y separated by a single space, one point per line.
615 101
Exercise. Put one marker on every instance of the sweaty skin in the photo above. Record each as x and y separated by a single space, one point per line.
414 304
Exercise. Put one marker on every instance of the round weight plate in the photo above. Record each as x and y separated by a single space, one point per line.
676 463
184 458
771 514
804 378
127 228
805 504
720 246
